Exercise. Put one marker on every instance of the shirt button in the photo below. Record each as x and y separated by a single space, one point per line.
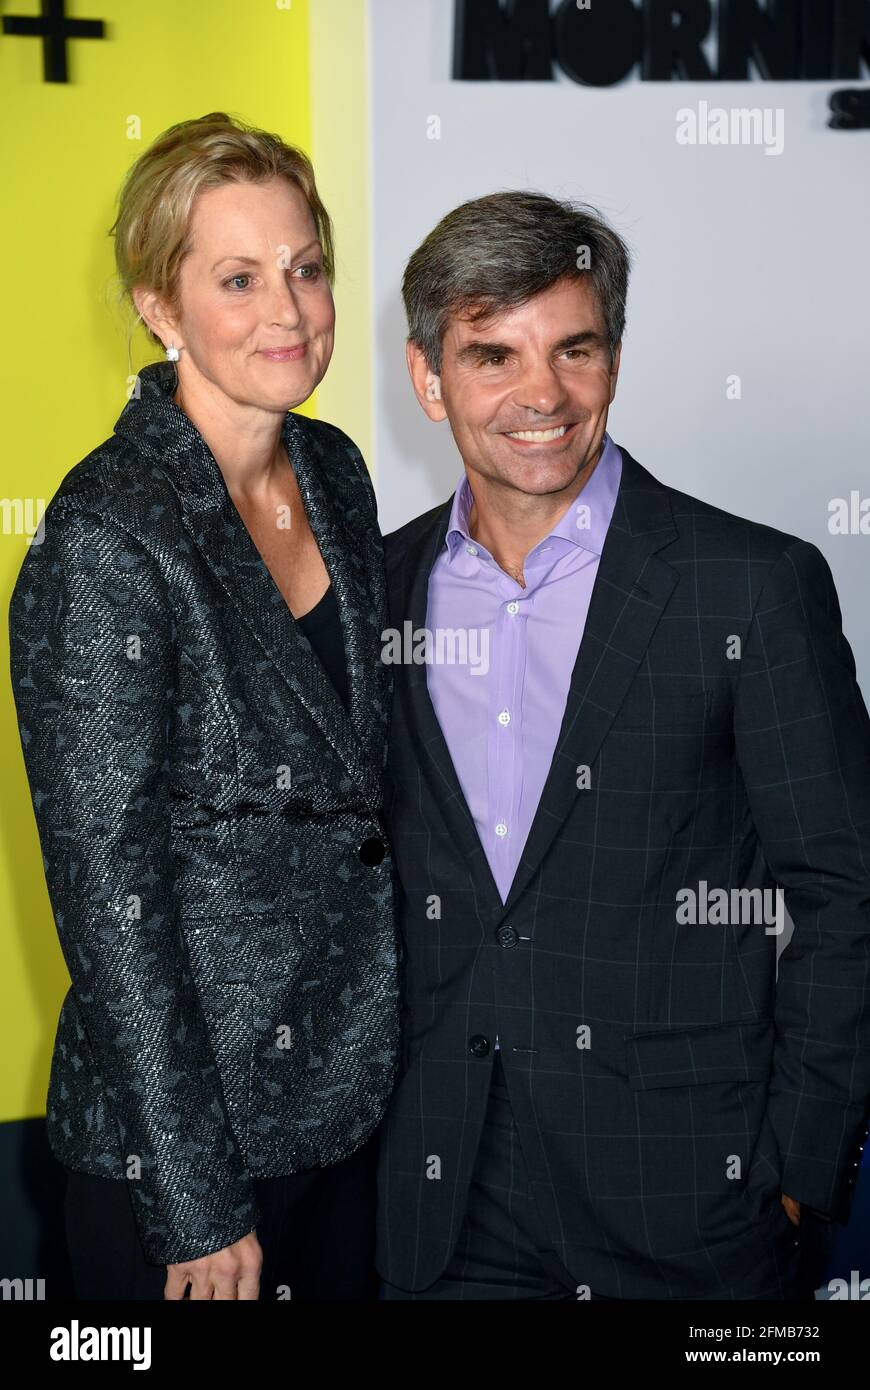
504 717
513 606
472 549
501 828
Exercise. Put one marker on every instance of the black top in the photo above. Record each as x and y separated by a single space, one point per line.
322 626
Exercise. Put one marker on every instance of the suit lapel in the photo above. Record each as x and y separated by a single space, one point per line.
224 542
409 593
631 590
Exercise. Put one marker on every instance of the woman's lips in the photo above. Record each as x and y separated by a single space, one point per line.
283 354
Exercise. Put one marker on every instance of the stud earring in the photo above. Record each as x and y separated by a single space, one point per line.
172 353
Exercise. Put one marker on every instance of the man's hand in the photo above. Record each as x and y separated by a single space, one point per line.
792 1209
230 1273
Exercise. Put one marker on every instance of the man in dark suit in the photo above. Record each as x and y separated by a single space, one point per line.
627 732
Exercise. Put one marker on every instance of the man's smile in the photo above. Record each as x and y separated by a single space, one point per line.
540 438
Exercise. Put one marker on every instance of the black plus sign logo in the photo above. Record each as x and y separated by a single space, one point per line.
54 28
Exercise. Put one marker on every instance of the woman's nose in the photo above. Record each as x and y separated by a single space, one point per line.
285 307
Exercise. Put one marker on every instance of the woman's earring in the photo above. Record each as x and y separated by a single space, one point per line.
172 353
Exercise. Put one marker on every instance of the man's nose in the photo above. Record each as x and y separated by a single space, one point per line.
540 389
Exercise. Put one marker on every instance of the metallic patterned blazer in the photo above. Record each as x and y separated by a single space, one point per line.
210 822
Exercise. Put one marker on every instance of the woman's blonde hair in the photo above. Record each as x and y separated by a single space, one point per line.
152 228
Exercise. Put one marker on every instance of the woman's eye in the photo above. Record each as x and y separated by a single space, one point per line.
314 268
233 278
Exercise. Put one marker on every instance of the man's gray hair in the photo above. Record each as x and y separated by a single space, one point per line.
495 253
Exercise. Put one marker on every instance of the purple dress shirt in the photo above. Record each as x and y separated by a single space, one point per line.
501 709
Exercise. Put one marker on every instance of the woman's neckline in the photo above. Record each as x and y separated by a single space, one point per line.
314 613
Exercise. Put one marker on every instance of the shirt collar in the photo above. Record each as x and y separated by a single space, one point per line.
585 522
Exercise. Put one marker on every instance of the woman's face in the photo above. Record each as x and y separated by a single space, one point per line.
254 282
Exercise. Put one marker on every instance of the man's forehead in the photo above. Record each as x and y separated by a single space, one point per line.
570 307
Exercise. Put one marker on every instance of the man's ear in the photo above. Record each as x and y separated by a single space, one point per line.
427 385
614 369
151 308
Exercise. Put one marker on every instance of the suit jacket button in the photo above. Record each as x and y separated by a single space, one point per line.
478 1045
372 851
506 936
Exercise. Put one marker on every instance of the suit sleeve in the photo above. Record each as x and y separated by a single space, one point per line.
93 662
802 737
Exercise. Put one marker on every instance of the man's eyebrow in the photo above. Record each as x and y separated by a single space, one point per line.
580 340
252 260
477 351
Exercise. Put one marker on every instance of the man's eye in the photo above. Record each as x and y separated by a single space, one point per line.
576 352
497 358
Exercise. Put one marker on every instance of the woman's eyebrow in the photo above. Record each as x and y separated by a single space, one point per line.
252 260
243 260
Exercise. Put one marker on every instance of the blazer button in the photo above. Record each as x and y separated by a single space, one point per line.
478 1045
372 851
506 936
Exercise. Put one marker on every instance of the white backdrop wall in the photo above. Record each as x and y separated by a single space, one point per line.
745 264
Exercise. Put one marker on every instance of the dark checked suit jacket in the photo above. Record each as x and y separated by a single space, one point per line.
750 772
210 825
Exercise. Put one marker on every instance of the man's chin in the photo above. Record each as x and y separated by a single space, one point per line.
538 478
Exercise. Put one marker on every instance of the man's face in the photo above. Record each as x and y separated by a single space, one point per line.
544 368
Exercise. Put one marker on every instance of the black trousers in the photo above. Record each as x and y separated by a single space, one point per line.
317 1235
502 1251
502 1248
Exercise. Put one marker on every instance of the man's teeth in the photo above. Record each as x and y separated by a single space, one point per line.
538 436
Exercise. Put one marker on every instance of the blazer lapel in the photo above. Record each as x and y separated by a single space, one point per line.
631 590
224 542
357 576
409 601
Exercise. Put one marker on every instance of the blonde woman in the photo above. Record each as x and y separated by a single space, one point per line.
202 706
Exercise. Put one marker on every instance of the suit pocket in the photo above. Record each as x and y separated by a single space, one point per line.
648 711
699 1056
706 1153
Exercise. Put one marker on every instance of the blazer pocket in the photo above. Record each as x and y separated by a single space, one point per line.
673 710
244 948
696 1056
237 960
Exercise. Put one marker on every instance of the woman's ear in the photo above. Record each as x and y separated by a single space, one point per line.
152 311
